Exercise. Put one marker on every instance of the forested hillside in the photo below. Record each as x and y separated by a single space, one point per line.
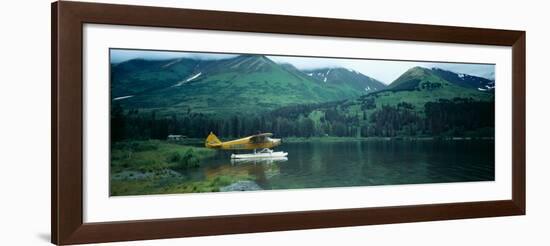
247 94
246 83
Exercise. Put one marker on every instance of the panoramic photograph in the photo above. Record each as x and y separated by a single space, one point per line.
196 122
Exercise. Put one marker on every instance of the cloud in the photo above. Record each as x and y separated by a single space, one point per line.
121 55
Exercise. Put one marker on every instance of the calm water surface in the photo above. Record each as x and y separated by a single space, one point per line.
363 163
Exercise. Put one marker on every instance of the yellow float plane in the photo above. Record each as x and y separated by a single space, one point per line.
259 141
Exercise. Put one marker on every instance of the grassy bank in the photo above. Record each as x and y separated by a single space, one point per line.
156 167
155 155
172 185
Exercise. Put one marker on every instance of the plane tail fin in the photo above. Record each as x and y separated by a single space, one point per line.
212 141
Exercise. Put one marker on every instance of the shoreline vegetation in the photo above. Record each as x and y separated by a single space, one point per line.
159 167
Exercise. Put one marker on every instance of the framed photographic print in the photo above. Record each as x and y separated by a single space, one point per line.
174 122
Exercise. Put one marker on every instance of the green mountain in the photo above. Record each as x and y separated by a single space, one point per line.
419 85
419 78
246 83
416 78
421 102
139 76
418 97
346 78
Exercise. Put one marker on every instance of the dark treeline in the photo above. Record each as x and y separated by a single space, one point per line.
457 117
445 118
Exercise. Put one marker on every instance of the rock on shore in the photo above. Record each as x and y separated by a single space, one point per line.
243 185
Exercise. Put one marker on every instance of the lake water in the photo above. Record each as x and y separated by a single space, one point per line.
363 163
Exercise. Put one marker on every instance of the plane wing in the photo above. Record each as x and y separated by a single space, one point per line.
259 138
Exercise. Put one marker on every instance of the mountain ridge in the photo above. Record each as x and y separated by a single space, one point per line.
421 77
243 83
255 83
347 77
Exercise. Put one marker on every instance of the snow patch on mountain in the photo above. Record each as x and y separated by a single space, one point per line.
487 87
188 79
171 63
120 98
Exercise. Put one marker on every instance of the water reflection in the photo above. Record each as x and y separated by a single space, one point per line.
259 161
362 163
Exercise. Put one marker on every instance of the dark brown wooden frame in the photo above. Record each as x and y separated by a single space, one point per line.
67 207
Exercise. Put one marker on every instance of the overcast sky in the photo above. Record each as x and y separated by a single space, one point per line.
383 70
